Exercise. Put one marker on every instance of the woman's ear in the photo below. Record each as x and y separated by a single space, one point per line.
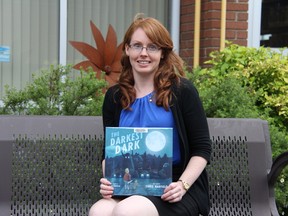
127 49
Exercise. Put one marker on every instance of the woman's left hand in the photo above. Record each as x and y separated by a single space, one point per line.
174 192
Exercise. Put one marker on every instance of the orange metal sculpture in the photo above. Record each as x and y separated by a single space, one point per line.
106 58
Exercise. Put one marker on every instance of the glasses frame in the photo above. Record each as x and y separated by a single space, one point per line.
141 47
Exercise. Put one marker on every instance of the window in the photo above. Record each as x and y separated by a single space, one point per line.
118 13
274 23
30 31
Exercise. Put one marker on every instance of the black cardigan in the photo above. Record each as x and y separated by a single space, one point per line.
192 127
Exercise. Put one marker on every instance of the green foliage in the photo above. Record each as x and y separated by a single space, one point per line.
55 92
263 70
281 188
239 105
247 82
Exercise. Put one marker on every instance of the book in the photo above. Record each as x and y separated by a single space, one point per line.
138 160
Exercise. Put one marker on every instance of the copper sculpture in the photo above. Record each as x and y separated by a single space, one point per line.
105 58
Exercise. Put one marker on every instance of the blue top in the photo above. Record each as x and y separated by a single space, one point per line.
145 113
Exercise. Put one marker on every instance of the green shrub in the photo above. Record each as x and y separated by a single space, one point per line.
245 82
56 92
239 105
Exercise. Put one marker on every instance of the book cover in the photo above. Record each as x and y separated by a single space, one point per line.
138 160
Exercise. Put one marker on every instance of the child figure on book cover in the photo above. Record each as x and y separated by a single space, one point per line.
138 160
127 179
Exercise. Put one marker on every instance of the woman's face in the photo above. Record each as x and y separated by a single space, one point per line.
143 54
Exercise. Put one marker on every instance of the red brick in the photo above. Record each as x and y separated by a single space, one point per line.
187 27
211 42
230 34
242 34
211 6
231 15
212 15
237 7
186 44
241 42
237 25
187 35
237 1
189 9
187 53
187 18
210 33
242 16
211 24
187 2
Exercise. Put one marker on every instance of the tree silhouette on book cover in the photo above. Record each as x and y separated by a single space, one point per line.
139 160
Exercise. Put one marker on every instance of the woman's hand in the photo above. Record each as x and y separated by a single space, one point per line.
174 192
106 188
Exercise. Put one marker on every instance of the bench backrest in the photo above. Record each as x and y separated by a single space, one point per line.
241 160
52 165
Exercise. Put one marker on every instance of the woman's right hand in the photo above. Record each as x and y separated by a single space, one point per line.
106 188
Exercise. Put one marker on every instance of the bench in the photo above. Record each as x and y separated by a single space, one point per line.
51 165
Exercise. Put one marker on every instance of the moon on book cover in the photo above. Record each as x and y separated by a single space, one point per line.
155 141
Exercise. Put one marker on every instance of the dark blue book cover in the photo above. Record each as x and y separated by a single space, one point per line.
138 160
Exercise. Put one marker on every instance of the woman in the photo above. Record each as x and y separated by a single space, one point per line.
153 93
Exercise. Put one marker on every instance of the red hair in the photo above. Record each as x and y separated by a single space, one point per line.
170 67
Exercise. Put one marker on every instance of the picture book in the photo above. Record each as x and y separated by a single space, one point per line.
138 160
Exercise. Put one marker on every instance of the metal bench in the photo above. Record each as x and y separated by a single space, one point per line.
242 175
52 165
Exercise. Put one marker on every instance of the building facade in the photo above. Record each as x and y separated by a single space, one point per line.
236 29
35 33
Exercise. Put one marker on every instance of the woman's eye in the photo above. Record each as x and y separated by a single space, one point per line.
152 47
137 45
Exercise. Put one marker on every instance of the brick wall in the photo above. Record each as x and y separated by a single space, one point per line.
210 27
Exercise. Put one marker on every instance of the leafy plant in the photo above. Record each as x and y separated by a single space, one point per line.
263 70
54 92
247 82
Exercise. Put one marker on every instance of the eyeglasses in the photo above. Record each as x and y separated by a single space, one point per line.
150 48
